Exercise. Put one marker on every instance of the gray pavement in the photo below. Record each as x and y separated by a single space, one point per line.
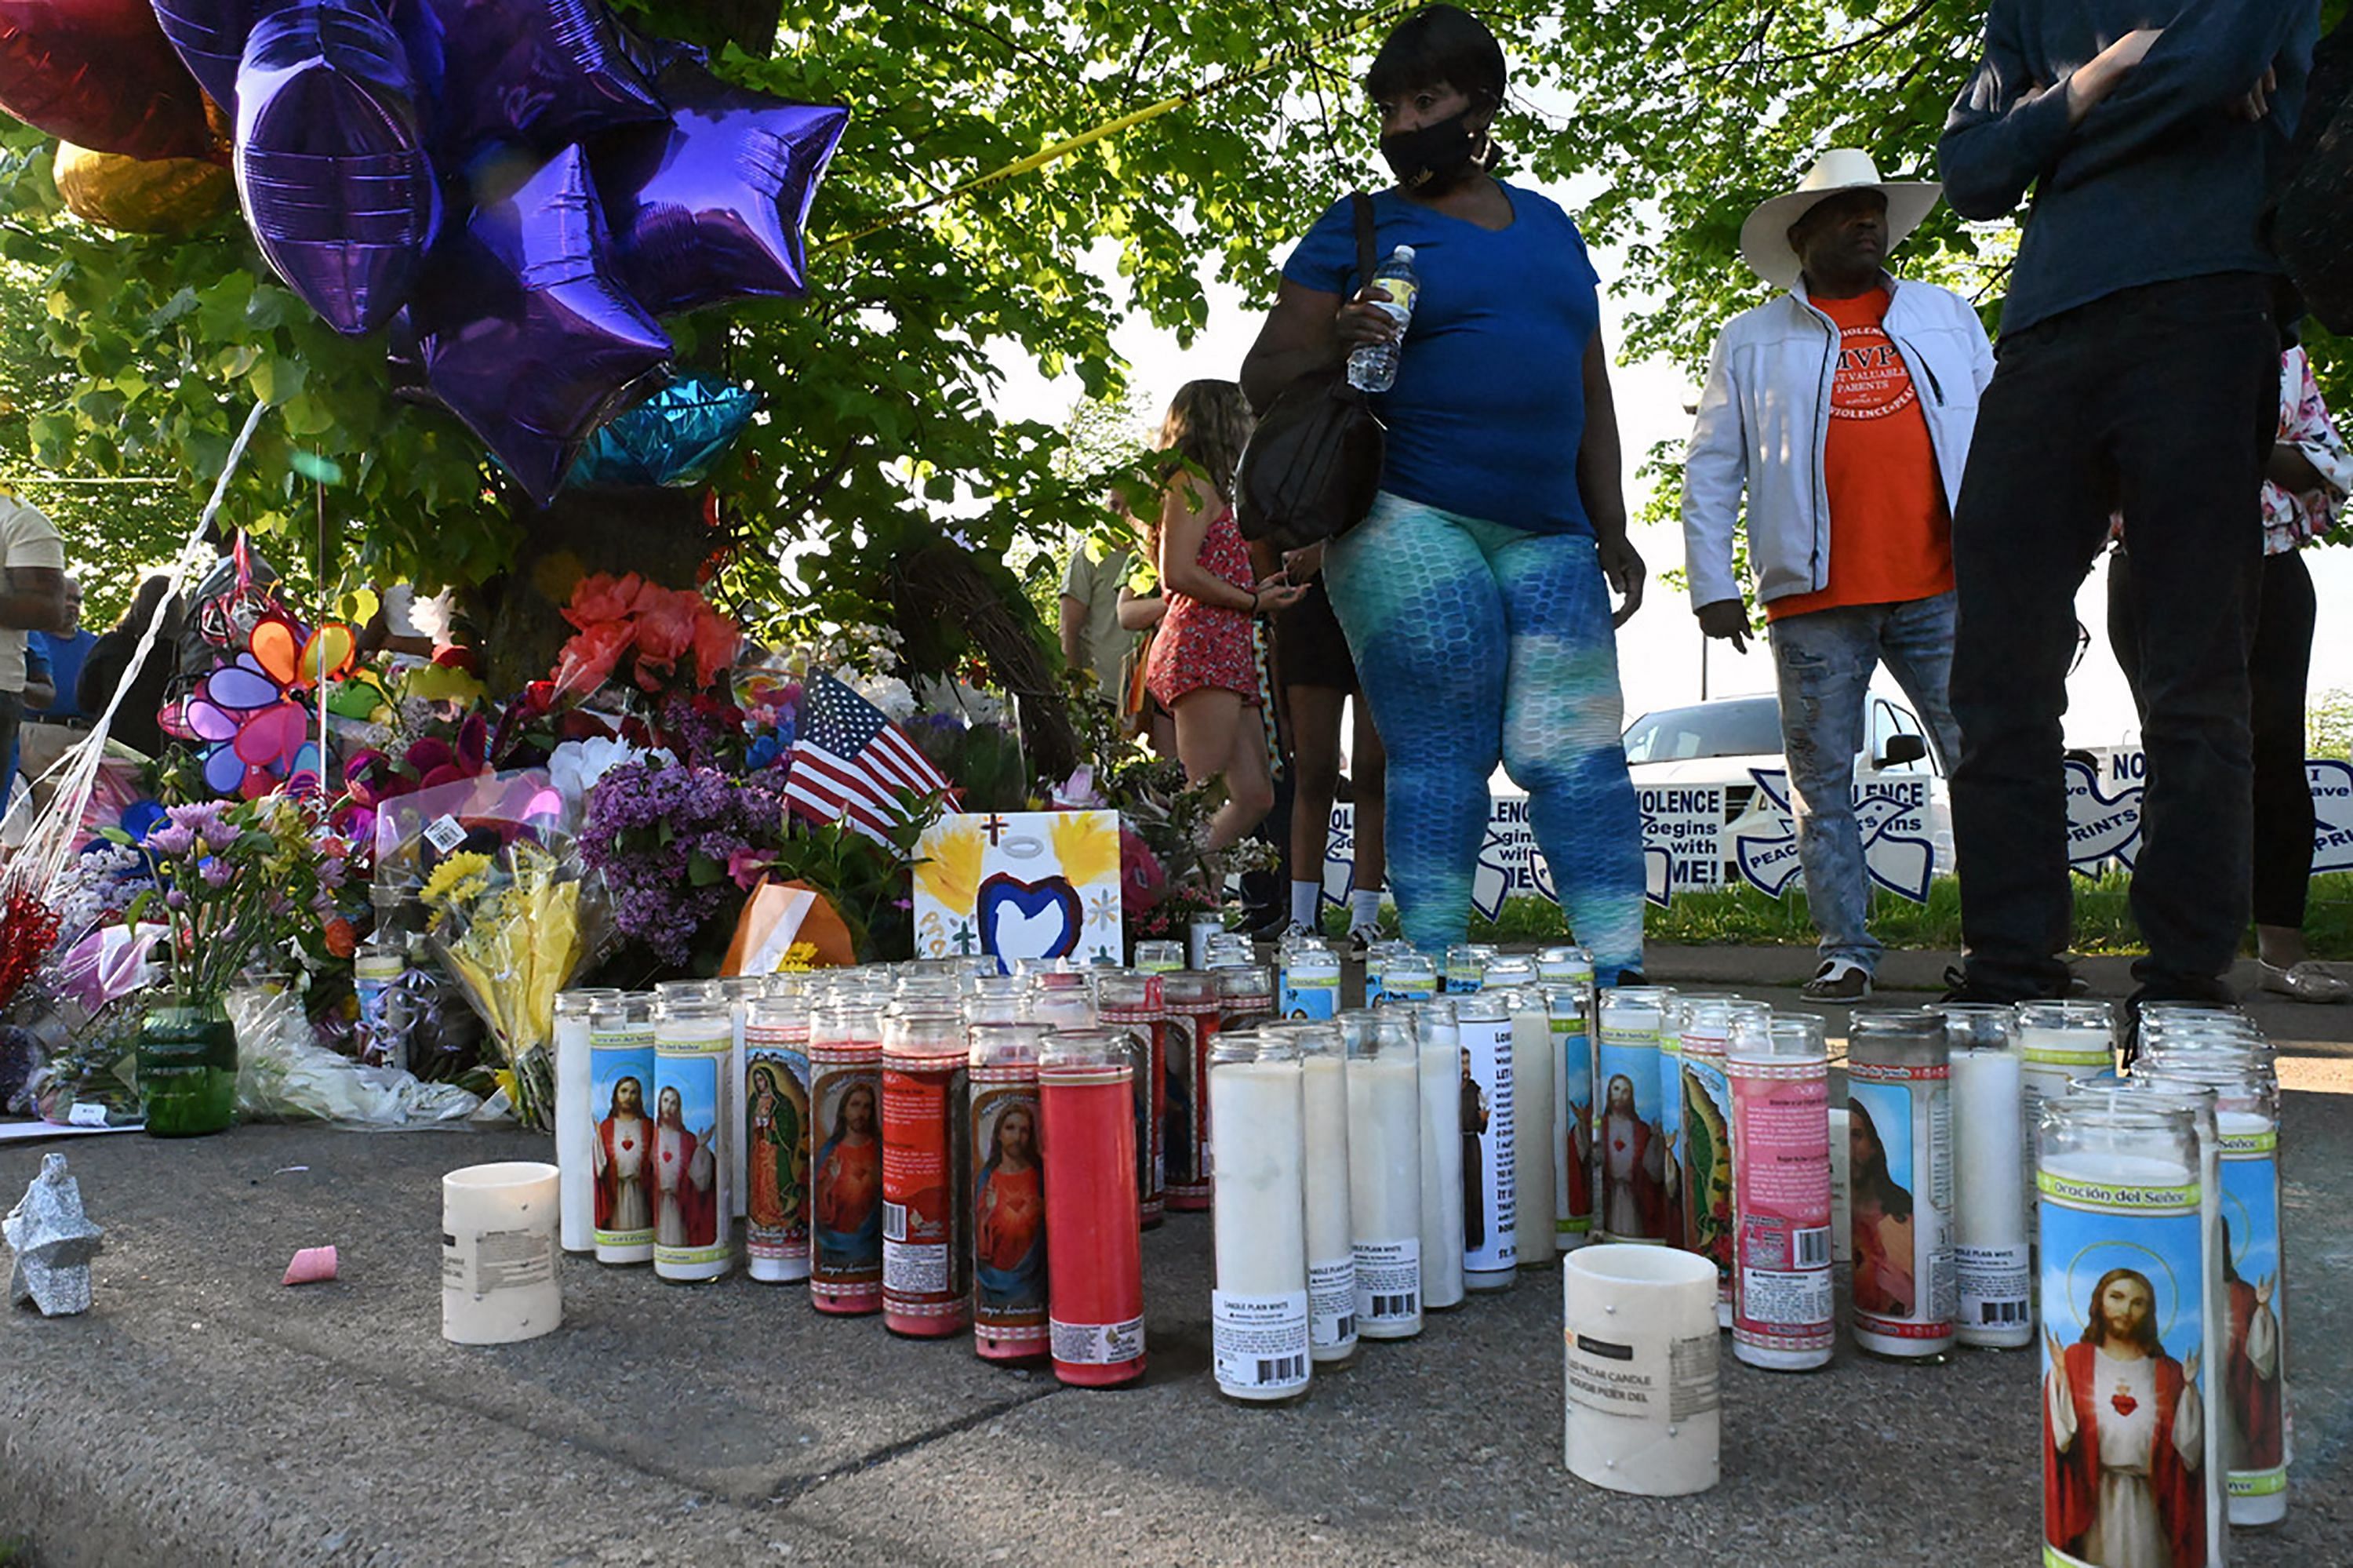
203 1414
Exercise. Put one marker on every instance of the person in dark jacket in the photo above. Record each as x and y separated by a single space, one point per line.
135 722
2138 372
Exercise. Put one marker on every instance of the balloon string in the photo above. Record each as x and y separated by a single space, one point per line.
1063 149
57 831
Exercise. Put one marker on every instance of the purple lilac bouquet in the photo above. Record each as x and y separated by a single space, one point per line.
679 847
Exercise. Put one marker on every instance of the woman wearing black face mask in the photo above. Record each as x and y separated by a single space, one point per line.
1475 595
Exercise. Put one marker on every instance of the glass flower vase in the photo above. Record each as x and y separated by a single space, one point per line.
186 1061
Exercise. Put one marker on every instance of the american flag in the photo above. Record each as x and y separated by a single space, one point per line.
848 761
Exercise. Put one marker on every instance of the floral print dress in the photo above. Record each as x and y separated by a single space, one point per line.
1203 646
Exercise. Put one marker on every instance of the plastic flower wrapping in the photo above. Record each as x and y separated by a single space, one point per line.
514 927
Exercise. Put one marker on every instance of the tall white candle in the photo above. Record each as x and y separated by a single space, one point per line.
691 1144
576 1128
741 991
1385 1177
1257 1131
1491 1245
1442 1156
1992 1258
1331 1239
499 1226
1534 1137
1644 1409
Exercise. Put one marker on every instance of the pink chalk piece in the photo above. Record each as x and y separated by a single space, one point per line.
311 1265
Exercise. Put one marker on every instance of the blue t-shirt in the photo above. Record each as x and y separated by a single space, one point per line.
1489 406
64 655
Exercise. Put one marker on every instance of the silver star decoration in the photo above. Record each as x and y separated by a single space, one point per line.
54 1242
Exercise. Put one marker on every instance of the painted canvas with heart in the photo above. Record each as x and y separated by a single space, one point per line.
1020 885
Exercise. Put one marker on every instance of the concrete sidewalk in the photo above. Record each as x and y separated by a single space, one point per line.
203 1414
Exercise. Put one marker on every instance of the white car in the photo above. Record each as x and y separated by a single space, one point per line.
1729 740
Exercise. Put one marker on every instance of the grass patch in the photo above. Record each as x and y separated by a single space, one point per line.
1744 916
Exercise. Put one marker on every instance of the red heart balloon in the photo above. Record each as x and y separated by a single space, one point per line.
99 74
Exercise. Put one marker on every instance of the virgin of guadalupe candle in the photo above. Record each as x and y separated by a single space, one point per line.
1258 1312
777 1140
2128 1378
620 1098
1086 1091
1705 1152
1130 1000
691 1157
1311 984
926 1176
575 1119
1534 1139
1010 1226
1782 1306
1569 1016
1330 1236
2252 1300
846 1172
1900 1171
1191 1000
1629 1146
1385 1174
1842 1192
739 992
1490 1247
1442 1154
1993 1262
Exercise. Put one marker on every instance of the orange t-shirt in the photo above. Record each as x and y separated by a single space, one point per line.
1891 533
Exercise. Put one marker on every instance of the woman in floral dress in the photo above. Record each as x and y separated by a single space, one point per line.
1202 669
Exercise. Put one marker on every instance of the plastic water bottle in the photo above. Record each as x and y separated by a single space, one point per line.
1374 366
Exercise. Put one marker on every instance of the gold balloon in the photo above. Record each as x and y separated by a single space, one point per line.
139 196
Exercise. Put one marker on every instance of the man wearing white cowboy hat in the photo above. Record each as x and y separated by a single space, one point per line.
1843 407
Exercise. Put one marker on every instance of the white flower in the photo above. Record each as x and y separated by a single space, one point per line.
575 767
885 692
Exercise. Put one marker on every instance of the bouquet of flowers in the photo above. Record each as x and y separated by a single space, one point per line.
679 846
514 927
237 883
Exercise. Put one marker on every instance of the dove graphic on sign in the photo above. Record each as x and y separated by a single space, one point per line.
2332 814
1889 818
2101 828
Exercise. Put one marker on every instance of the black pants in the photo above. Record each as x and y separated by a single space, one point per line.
2278 662
2162 401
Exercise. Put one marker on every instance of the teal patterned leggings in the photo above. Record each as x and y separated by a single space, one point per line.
1478 643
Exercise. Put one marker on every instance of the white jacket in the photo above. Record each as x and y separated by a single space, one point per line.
1764 421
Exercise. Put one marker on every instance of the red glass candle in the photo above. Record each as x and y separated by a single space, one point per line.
1086 1092
845 1167
1130 1000
926 1177
1008 1195
1190 998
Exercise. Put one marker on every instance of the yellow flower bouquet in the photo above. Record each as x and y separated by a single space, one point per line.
514 928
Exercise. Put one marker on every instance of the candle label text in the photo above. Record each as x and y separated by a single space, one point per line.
1491 1241
1259 1344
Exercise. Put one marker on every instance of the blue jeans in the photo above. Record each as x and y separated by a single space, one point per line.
12 715
1825 662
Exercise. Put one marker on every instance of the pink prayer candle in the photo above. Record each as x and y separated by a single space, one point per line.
1086 1091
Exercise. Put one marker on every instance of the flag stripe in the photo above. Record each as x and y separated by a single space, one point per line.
851 759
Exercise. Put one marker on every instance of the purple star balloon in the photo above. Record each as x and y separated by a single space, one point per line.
543 72
524 332
210 37
709 209
330 163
